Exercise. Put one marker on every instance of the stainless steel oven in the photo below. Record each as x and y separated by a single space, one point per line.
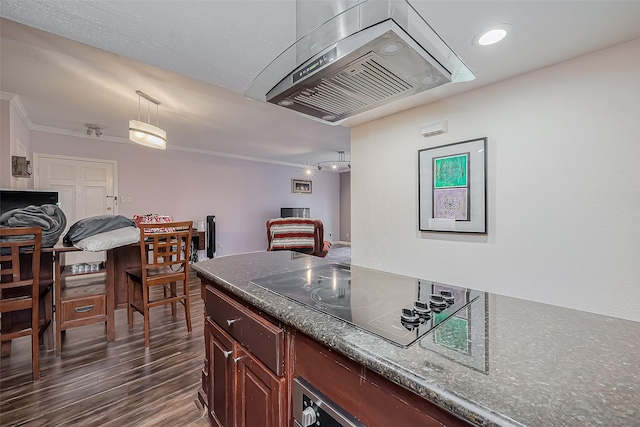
312 408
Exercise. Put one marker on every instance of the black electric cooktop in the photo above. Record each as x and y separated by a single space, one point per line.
397 308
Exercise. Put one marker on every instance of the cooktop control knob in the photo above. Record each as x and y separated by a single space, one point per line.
409 326
421 308
409 316
448 297
437 303
308 416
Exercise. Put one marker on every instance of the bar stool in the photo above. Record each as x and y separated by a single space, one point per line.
164 256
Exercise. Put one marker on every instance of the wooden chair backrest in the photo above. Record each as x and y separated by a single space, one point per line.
168 247
16 271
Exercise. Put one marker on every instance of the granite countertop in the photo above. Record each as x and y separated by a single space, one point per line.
530 364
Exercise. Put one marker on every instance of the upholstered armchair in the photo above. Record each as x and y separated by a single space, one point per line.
297 234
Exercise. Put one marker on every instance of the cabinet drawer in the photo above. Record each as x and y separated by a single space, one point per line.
86 310
263 339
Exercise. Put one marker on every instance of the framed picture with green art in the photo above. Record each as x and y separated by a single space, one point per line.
452 187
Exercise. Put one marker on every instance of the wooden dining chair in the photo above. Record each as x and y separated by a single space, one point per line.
19 285
164 255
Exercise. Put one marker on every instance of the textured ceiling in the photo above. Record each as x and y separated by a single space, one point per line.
83 61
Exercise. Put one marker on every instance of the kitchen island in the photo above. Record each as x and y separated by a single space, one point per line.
526 364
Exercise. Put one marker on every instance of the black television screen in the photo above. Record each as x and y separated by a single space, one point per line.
295 213
14 199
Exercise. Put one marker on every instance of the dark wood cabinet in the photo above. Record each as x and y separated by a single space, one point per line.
243 378
251 362
259 393
220 376
374 400
81 297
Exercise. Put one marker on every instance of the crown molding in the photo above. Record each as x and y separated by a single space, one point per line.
22 112
231 156
15 101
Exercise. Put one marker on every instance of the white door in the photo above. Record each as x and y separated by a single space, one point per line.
86 187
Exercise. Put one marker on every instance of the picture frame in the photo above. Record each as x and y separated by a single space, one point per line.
452 185
301 186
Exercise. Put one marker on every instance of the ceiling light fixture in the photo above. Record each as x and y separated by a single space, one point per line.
94 129
392 48
144 133
335 164
492 35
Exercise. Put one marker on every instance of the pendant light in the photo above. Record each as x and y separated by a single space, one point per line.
144 133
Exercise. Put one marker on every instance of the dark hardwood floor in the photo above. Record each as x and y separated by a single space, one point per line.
95 383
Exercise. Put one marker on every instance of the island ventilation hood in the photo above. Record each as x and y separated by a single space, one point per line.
370 53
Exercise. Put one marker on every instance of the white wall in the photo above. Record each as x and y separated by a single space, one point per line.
242 194
12 132
345 206
563 187
5 144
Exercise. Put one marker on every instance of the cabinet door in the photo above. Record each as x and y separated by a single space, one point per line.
221 375
259 393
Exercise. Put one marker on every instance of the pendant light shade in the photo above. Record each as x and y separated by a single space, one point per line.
148 135
144 133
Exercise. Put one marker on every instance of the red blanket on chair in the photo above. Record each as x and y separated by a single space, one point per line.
299 234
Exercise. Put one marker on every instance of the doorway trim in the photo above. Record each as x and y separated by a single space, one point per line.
36 170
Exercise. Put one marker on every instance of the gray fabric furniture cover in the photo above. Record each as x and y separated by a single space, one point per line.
48 217
93 225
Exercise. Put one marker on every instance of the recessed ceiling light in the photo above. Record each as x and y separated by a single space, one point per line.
391 48
285 103
492 35
431 79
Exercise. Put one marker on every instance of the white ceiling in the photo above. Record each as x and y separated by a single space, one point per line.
83 61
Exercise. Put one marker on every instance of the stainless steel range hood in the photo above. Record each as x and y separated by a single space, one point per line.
372 53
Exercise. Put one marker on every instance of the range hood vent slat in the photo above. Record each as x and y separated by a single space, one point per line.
383 72
329 98
372 77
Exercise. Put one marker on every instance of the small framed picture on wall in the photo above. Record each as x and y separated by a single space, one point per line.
300 186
